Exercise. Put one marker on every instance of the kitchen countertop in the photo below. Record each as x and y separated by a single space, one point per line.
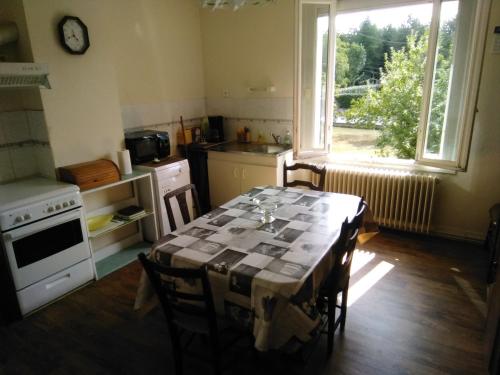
261 149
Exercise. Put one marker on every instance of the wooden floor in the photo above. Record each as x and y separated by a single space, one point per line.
419 310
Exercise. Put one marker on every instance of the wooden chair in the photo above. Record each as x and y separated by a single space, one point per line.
181 195
321 172
338 279
187 313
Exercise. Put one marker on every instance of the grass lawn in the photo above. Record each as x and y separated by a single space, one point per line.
355 142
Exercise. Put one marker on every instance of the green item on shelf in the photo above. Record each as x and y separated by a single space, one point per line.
98 222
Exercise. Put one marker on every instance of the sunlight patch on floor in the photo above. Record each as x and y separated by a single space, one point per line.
473 296
360 259
364 284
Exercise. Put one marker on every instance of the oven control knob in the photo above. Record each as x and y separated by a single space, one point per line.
65 204
58 206
50 209
19 219
72 202
27 217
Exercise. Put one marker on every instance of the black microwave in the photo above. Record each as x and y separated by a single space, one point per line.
147 145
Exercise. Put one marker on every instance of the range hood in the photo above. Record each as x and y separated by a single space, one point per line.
19 74
24 75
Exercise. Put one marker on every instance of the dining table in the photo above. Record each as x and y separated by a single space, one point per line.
264 276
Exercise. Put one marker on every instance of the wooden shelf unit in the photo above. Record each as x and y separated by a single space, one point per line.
118 244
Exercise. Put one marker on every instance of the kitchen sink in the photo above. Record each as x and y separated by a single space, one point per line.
267 149
253 148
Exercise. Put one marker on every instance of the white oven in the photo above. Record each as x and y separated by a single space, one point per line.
43 235
43 248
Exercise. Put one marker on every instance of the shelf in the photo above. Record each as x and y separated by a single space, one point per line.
122 258
135 175
113 225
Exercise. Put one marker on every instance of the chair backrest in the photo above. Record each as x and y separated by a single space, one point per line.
181 195
178 305
357 220
321 172
343 248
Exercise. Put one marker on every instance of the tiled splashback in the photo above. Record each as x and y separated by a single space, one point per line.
24 146
260 115
264 115
164 116
265 127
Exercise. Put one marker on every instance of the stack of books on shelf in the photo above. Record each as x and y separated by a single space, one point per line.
130 213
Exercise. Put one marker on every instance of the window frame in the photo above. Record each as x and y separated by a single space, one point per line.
298 152
472 78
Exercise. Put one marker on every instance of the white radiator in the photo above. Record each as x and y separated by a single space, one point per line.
397 199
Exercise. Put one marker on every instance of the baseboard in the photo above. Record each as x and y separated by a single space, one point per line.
457 234
476 240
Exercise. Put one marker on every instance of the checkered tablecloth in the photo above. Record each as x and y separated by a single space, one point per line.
264 276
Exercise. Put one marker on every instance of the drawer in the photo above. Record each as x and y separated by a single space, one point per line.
54 286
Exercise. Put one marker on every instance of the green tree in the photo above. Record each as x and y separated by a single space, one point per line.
356 55
341 64
379 42
395 107
349 64
369 36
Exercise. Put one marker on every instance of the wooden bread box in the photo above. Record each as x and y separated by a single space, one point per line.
90 174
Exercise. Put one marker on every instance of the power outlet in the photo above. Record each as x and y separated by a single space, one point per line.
225 93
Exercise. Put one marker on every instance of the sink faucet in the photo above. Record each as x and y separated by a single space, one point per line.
277 138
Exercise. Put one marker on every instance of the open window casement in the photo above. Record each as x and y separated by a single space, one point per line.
445 127
314 77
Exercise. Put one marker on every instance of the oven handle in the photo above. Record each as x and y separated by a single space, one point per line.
39 226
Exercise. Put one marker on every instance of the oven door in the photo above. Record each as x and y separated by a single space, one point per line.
41 249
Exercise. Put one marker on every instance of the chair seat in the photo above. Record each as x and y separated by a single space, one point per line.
199 324
330 283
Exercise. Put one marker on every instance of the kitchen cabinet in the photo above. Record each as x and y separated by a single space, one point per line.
232 173
118 243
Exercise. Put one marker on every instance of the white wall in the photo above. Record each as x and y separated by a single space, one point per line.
254 46
464 199
143 69
157 55
82 109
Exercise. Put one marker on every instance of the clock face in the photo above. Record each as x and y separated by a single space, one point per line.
73 35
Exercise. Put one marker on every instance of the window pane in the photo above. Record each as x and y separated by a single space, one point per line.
379 72
314 77
448 84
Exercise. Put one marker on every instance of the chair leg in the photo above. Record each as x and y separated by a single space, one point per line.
331 324
345 293
177 351
215 357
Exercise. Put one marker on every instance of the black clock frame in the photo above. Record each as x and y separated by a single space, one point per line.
62 40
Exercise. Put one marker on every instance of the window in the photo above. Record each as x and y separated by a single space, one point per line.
388 79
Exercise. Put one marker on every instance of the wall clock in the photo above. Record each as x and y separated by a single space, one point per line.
73 35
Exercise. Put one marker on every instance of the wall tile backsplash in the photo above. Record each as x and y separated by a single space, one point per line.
24 146
265 127
260 115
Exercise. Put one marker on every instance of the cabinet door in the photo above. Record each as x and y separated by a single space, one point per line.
224 179
256 175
